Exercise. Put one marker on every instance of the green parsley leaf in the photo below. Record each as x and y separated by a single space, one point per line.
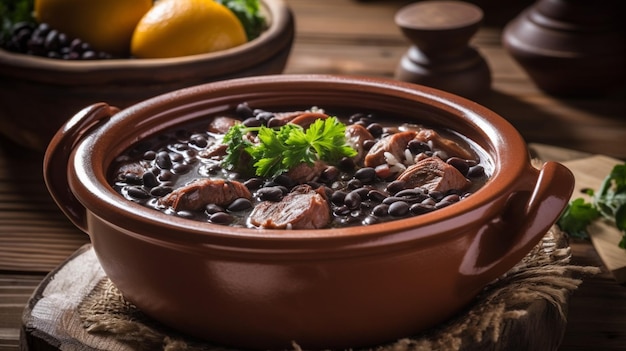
609 202
280 149
577 216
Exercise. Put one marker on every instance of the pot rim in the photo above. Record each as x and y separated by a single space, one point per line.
93 155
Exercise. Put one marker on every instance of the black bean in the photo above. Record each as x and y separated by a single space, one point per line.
391 199
264 116
366 175
181 168
375 129
376 195
175 157
352 200
163 160
137 192
442 204
436 195
220 218
398 209
370 220
396 186
213 208
253 183
367 144
150 180
240 204
199 140
421 208
354 184
341 210
132 178
285 181
272 193
51 42
243 110
459 163
356 117
329 174
149 155
338 197
411 193
476 171
161 190
166 175
429 202
416 147
252 122
381 210
451 198
346 163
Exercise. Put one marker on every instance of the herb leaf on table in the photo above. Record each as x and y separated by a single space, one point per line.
609 201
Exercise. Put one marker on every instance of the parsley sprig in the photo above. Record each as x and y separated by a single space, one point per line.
280 149
609 202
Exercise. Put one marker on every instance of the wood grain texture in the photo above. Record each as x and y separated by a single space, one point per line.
353 37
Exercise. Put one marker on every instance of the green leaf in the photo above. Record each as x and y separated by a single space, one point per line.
249 14
280 149
577 216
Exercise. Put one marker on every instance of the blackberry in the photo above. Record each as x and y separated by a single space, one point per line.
42 40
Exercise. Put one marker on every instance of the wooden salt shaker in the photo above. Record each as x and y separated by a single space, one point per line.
441 56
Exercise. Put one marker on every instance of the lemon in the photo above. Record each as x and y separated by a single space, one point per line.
186 27
107 25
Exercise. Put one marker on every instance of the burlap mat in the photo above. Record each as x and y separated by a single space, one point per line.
544 274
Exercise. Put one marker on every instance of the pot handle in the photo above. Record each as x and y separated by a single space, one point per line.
525 219
57 158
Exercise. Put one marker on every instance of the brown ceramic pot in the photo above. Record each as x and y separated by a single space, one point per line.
38 94
330 288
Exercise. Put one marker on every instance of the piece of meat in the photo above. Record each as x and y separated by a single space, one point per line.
356 135
221 124
132 169
304 120
451 147
302 208
433 174
394 144
202 192
304 172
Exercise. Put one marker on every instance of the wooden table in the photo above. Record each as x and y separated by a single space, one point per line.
351 37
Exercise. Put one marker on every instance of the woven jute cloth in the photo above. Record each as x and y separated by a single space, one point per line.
545 274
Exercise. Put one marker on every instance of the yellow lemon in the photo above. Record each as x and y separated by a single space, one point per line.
186 27
107 25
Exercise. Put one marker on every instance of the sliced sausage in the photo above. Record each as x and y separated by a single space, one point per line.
356 136
202 192
451 147
302 208
221 124
394 144
433 174
304 172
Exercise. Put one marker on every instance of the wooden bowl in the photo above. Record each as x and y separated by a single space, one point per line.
327 288
37 94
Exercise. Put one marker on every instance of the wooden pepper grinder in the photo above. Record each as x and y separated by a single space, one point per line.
441 56
570 47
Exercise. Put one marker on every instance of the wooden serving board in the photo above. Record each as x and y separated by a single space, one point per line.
589 173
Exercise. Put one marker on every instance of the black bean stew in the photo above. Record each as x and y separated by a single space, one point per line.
394 171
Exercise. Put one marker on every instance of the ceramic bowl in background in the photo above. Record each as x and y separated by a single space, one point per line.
37 95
